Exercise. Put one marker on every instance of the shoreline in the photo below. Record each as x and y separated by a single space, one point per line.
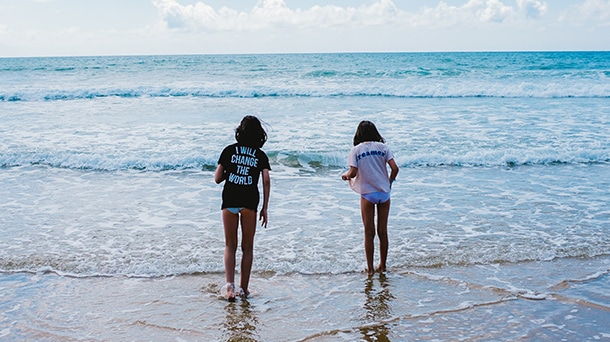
522 301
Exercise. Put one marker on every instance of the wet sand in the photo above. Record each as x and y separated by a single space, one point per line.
566 299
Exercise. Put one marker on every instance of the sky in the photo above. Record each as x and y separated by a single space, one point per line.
145 27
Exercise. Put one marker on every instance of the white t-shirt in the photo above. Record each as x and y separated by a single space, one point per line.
371 158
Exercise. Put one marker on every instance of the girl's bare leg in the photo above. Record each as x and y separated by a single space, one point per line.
248 226
383 212
230 222
367 210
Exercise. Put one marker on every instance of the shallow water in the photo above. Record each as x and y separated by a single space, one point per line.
84 223
525 301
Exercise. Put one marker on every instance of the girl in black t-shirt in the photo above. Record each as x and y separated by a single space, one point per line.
240 166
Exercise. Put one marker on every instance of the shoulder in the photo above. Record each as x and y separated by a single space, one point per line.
388 152
229 147
360 146
261 153
262 156
381 146
227 151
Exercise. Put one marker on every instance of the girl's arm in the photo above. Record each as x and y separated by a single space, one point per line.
266 192
219 176
351 173
393 170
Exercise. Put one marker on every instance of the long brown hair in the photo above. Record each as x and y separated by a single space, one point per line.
250 132
367 132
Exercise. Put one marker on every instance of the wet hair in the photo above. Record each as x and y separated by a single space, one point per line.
250 132
367 132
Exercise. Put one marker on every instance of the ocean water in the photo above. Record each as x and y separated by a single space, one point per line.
106 163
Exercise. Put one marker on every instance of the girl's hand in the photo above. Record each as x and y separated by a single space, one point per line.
351 173
263 217
220 174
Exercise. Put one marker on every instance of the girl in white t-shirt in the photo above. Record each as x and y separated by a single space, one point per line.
368 176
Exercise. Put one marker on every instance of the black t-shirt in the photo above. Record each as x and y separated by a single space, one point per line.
242 166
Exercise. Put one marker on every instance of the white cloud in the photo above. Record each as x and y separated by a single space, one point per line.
491 10
532 8
272 13
276 14
469 14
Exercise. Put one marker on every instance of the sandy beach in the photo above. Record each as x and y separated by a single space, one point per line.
562 300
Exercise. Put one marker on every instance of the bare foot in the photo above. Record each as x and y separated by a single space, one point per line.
243 293
228 291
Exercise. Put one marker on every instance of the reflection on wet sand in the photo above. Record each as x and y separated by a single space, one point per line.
377 309
241 321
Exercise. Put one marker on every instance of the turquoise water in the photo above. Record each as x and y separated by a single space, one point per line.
106 163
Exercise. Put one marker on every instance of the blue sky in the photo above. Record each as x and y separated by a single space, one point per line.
127 27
